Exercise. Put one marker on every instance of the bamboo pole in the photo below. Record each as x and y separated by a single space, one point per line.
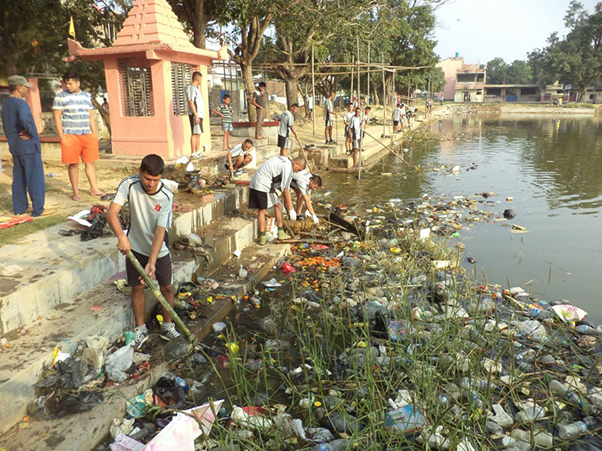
313 89
368 86
351 92
384 102
359 86
155 289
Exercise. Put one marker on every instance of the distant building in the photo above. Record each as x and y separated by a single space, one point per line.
463 82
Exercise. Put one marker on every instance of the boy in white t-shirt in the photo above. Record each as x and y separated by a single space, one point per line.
151 204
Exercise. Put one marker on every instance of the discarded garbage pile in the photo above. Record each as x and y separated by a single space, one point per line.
385 343
95 221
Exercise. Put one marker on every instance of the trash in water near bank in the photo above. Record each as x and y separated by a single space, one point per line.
379 339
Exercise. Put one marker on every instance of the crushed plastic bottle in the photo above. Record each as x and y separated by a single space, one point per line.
572 430
537 438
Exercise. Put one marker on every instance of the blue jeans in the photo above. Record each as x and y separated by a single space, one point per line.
28 177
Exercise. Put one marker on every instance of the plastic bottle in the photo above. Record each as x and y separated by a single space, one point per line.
558 388
572 430
493 428
181 383
587 330
530 414
537 438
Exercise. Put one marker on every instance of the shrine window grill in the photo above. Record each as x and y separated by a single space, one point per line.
136 88
181 77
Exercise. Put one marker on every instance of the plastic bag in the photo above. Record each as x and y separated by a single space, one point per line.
566 312
118 362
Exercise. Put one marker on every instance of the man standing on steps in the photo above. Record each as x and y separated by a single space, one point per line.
287 122
151 204
196 108
76 126
25 148
276 173
329 115
259 102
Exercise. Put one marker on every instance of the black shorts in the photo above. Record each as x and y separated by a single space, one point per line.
163 272
282 142
192 124
395 123
258 199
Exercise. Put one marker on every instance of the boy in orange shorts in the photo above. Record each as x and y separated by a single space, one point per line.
76 127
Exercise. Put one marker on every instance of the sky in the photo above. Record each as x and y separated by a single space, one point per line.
481 30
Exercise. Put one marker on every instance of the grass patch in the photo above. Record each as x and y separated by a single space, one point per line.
16 234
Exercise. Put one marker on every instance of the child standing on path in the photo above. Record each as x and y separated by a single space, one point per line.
75 124
287 120
328 118
347 120
225 111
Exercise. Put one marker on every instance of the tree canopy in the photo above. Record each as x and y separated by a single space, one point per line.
575 59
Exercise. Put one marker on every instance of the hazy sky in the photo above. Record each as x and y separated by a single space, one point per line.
484 29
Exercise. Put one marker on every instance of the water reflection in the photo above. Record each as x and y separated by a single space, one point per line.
550 166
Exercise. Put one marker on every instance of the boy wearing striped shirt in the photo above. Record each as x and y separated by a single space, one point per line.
225 111
74 119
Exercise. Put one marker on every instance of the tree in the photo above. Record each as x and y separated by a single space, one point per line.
196 15
520 72
309 22
497 71
577 58
250 21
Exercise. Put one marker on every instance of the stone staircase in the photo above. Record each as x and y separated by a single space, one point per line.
64 292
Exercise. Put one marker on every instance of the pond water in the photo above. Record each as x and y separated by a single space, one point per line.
551 167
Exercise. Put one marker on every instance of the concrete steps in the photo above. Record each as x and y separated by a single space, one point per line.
86 430
56 269
61 309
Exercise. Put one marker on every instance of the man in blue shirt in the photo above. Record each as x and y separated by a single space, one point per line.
25 148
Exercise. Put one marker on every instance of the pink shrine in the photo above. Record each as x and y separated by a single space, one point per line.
147 71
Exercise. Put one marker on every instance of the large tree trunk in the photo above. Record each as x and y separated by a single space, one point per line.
292 89
247 76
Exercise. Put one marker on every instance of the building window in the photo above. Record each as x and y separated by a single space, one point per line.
181 75
136 88
479 93
592 96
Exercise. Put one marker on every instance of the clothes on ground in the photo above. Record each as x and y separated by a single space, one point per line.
276 173
226 110
148 211
28 170
301 181
193 94
76 107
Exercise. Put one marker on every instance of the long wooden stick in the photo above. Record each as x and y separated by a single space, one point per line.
155 289
388 148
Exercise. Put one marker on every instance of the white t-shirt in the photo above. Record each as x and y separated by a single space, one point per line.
147 212
301 180
287 120
327 107
193 93
348 115
355 124
310 102
277 172
397 112
237 150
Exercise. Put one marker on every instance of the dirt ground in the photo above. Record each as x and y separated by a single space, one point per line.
58 189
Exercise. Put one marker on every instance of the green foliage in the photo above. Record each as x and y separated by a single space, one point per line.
499 72
575 59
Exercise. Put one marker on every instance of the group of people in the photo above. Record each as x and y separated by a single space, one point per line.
75 123
355 124
403 115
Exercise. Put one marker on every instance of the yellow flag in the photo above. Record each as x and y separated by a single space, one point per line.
71 29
